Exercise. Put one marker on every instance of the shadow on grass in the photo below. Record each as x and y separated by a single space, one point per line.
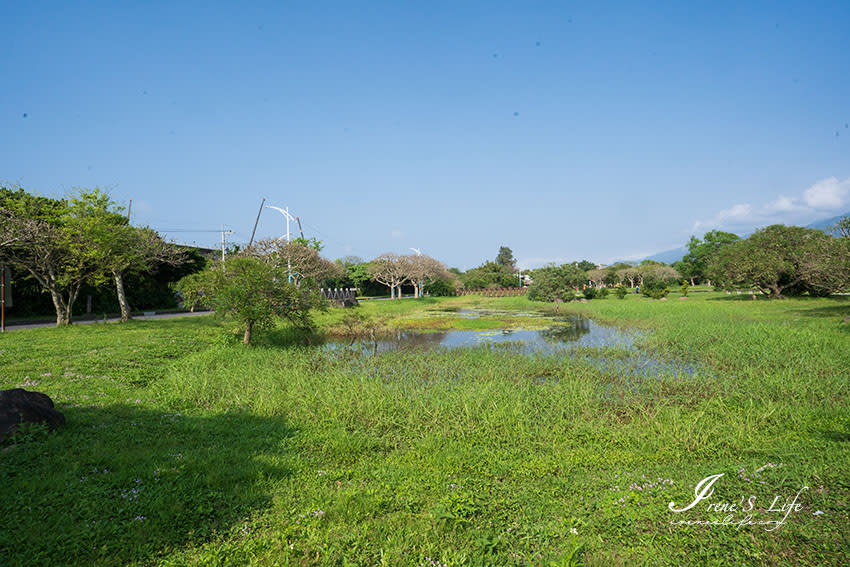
287 337
839 310
122 484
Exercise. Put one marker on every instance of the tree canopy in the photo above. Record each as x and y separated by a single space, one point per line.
785 260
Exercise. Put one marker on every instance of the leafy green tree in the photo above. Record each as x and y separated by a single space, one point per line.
253 292
489 275
780 260
50 243
585 265
117 247
505 258
556 282
694 265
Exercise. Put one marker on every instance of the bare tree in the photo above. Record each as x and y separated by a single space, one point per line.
630 275
303 261
391 270
842 227
421 269
660 272
597 276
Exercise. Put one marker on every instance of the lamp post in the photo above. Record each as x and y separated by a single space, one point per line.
285 213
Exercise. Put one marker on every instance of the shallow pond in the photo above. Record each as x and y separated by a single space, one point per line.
608 348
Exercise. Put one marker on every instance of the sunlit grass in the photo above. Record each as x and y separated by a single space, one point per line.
217 454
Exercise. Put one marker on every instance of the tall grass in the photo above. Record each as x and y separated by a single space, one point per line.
292 455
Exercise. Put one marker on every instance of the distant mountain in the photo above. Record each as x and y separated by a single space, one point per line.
670 256
826 223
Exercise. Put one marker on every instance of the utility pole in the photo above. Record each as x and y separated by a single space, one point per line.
129 208
224 243
256 222
301 230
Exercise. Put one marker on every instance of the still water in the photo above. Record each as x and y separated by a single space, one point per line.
574 336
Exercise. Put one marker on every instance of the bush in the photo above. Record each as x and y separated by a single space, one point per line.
654 288
602 293
440 288
591 293
621 292
685 287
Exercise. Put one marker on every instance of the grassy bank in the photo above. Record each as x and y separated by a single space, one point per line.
183 448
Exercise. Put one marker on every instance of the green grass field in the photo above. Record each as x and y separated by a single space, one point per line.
183 447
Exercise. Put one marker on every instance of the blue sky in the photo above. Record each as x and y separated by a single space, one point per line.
565 131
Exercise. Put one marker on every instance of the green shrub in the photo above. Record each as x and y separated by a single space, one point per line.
591 293
621 292
654 288
685 287
440 288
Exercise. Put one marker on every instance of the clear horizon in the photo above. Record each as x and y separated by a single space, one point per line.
565 132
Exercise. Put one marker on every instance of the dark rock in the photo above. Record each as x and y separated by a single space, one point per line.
21 406
846 319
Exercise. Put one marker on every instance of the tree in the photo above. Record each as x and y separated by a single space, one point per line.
780 260
254 292
422 269
51 244
391 270
585 265
116 247
630 274
300 259
842 227
505 258
658 271
701 252
556 282
489 275
597 276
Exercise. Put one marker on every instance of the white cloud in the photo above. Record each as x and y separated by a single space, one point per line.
396 234
783 203
826 196
736 213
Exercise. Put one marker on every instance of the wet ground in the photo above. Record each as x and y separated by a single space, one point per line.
606 347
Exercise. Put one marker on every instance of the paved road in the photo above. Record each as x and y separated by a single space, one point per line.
16 327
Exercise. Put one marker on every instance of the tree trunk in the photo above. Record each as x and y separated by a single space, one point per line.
122 299
247 338
58 304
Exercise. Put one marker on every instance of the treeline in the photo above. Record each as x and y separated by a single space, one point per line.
65 249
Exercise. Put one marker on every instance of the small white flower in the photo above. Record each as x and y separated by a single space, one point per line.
818 513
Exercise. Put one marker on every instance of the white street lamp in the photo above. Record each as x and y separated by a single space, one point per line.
285 213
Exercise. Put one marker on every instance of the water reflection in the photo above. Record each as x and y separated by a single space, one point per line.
570 331
576 337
